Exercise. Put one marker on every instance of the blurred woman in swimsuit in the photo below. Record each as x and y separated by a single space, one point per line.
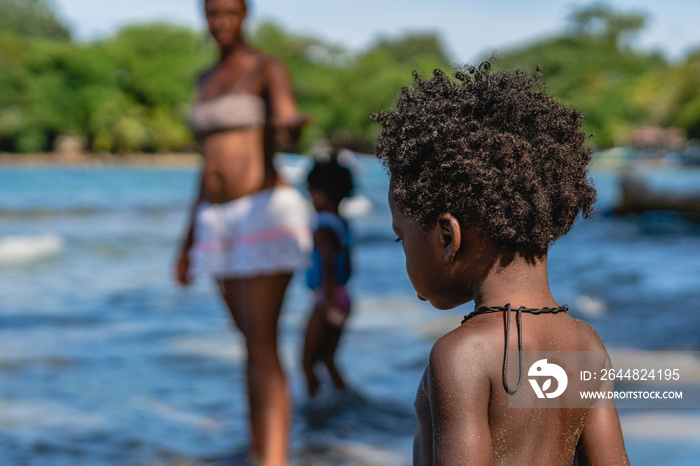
247 228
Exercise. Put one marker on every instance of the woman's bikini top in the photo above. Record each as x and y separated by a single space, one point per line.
236 109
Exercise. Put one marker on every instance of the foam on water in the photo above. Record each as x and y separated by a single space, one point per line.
350 454
590 306
355 206
23 249
32 415
220 348
687 362
661 425
175 414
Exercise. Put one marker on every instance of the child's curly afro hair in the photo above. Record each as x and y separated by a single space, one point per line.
492 149
331 177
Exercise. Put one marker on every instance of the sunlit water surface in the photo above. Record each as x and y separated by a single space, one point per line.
103 361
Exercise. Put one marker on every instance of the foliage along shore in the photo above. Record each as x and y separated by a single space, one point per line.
131 92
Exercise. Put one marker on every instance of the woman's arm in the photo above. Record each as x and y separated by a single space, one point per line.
285 118
183 262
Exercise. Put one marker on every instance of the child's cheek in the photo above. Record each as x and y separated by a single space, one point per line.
414 275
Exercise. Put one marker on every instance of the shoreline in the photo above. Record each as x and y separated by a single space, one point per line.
83 159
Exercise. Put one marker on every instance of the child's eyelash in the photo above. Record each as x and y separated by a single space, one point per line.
398 240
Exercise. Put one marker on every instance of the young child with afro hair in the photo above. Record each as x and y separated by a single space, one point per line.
329 183
486 171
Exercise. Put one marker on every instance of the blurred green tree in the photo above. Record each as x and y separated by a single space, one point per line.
341 89
594 67
132 91
600 20
32 18
687 103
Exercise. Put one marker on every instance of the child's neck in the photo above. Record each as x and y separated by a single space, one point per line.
519 283
333 209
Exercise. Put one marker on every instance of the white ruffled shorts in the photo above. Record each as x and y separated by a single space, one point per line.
264 233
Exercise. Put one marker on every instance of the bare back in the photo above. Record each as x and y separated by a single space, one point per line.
462 406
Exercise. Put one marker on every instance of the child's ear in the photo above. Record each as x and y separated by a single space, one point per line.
450 235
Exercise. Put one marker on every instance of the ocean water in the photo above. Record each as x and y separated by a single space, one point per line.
104 361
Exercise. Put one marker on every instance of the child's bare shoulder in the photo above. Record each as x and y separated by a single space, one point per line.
586 335
481 341
459 372
467 347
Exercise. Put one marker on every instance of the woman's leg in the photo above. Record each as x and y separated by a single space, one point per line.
255 305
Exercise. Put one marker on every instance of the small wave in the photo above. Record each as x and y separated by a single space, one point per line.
661 426
687 362
356 206
44 212
23 249
358 453
87 211
591 306
293 168
32 414
352 411
174 414
225 350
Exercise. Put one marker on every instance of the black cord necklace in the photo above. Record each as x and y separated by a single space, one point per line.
519 323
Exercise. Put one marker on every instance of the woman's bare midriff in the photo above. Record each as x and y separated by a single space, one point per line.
235 165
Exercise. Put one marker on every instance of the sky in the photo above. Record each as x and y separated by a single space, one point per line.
471 30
